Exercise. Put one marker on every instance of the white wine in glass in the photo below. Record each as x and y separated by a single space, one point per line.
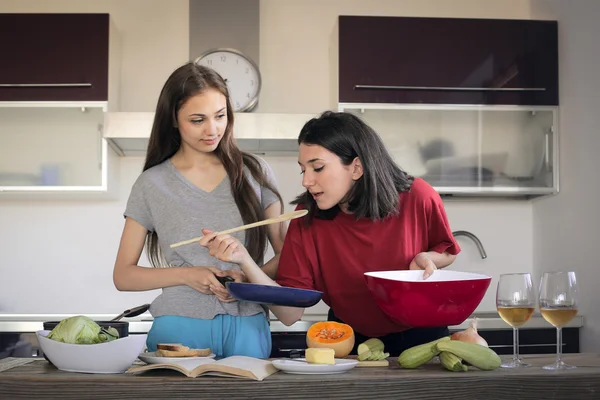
559 299
515 302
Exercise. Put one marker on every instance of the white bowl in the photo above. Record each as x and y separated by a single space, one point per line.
113 357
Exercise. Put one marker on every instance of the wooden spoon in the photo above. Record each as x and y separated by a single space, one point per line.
281 218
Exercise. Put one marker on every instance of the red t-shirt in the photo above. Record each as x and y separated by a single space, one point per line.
332 255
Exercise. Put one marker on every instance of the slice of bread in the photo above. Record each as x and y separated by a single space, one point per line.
172 347
179 350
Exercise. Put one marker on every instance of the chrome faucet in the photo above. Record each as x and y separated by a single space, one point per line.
473 238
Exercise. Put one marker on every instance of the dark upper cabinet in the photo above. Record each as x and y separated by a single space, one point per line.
447 61
54 57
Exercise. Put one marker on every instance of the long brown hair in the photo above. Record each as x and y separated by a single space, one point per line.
165 140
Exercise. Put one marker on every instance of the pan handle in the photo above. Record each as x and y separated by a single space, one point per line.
132 312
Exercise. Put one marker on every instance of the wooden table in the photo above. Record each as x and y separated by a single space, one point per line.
39 380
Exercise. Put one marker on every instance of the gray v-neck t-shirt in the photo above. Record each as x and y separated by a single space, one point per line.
164 201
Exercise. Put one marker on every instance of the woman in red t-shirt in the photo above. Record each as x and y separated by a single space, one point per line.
365 214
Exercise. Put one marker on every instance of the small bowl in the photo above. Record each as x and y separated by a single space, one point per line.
446 298
112 357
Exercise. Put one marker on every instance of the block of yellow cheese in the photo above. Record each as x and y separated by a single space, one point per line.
320 356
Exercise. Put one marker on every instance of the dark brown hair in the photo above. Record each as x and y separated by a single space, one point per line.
375 195
165 140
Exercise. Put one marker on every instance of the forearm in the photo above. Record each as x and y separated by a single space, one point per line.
441 260
287 315
134 278
256 275
270 268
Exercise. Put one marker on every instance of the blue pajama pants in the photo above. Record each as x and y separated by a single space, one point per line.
226 335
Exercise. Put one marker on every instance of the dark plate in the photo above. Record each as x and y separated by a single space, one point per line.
274 295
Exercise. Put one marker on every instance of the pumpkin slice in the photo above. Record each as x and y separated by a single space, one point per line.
331 335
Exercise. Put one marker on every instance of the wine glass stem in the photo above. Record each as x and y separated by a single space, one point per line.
515 344
558 344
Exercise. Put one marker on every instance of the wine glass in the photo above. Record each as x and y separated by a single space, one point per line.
515 302
559 298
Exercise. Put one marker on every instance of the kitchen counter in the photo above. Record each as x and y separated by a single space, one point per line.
39 379
33 322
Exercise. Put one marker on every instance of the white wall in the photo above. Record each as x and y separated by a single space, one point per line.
566 227
84 237
57 257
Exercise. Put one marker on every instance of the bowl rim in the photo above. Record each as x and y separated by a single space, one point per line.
44 334
469 276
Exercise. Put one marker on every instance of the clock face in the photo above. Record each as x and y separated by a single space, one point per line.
241 74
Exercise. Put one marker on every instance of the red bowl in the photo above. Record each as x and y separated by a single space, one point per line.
446 298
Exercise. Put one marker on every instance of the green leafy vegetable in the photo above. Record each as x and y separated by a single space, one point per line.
106 335
81 330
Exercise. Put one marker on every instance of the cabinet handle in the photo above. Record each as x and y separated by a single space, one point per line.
547 149
40 85
450 88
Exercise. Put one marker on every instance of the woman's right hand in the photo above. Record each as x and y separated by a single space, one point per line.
203 278
225 247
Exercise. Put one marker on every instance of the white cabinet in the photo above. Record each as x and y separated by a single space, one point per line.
52 113
471 150
54 150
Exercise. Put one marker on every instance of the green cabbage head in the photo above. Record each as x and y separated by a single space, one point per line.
81 330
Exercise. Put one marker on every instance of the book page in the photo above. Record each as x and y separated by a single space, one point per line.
174 367
242 366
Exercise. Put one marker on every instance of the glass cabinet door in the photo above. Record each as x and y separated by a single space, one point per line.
52 149
489 150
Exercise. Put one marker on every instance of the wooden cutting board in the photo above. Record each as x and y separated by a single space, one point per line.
380 363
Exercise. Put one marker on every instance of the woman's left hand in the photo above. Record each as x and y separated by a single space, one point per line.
236 274
424 262
220 291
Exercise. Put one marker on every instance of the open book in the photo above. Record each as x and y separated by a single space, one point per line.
235 366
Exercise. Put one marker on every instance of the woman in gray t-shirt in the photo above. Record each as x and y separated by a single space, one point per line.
195 177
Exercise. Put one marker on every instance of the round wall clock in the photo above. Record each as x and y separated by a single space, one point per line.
240 73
